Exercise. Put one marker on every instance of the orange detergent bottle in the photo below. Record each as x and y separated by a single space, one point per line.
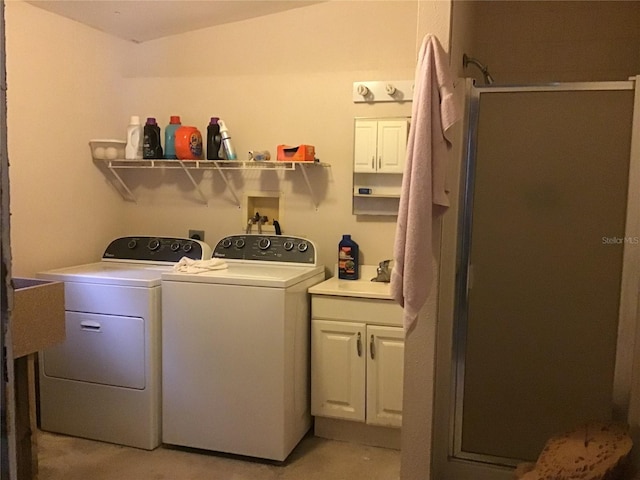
188 143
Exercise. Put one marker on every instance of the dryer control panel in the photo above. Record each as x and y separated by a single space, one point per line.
269 248
156 249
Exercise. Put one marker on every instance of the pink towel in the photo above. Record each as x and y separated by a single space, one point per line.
423 195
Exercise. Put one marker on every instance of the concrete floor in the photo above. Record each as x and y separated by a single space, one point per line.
67 458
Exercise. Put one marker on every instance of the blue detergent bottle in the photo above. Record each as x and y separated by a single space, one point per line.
348 259
170 137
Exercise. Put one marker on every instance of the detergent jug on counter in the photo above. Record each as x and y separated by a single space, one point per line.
348 259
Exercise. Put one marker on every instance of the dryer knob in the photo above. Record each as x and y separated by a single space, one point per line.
175 246
153 244
240 243
288 245
133 243
226 243
264 243
187 247
303 246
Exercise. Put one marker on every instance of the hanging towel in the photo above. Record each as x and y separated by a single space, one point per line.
423 196
188 265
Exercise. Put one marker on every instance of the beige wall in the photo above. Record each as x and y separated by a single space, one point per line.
540 42
63 86
284 78
280 79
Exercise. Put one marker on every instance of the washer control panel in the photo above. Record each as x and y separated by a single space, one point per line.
156 249
270 248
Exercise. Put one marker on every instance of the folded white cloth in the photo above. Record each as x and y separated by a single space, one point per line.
188 265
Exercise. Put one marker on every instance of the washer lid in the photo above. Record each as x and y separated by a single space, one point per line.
250 274
109 273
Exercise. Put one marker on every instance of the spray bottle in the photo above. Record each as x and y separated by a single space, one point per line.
229 151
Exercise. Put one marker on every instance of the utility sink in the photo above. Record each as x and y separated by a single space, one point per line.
37 317
363 287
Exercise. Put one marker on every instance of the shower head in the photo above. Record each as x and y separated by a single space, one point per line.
466 60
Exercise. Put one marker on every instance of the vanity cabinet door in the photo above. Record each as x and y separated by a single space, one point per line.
338 365
385 371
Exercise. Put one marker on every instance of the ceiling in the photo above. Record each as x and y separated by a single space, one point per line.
142 20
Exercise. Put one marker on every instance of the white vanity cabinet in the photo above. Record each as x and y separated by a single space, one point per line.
357 371
357 360
380 145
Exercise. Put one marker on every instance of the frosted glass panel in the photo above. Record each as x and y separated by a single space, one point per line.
548 223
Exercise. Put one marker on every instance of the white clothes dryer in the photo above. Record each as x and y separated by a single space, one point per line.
103 381
236 348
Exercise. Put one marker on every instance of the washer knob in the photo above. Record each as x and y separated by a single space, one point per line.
226 243
133 243
154 244
187 247
303 246
240 243
288 245
175 246
264 243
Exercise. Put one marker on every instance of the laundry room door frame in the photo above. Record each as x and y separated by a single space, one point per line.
8 455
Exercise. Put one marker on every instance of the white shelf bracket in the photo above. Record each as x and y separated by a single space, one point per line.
195 185
306 179
130 194
228 184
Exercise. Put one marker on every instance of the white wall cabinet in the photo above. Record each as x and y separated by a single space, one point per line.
379 153
380 145
357 366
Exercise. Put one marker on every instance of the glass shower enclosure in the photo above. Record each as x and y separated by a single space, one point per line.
547 267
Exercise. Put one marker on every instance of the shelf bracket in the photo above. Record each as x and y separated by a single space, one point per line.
306 179
130 194
228 184
195 185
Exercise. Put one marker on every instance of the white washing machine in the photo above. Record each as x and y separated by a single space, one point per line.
103 382
235 342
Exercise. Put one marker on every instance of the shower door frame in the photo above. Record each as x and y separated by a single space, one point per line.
626 395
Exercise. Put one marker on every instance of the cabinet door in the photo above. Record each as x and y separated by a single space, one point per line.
338 369
385 367
365 146
392 145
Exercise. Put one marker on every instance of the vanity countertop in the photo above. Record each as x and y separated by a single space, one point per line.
363 287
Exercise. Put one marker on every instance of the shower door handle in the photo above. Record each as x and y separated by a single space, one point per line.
469 278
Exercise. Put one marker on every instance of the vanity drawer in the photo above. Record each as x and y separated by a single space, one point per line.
368 310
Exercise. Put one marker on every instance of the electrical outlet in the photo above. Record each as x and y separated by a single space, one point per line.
196 235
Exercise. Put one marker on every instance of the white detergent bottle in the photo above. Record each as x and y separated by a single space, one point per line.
133 150
229 151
